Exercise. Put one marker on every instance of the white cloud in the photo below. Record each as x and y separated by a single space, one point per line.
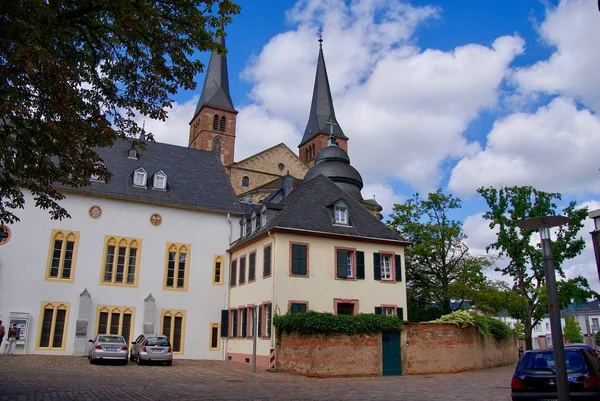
384 195
553 149
404 110
573 29
176 129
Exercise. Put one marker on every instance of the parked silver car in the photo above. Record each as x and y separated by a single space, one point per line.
108 347
151 347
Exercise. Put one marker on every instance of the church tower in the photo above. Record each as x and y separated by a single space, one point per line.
213 125
321 117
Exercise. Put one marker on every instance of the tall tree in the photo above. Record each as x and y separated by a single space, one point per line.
74 75
438 263
509 206
572 330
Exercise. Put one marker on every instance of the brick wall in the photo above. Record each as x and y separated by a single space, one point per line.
447 348
334 355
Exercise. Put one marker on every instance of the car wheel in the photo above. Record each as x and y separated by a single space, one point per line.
138 360
169 363
125 362
92 361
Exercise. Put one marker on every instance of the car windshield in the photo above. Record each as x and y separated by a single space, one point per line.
111 339
157 341
539 362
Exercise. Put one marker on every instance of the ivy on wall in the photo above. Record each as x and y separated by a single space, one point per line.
327 323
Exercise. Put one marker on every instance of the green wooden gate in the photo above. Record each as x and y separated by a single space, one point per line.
391 353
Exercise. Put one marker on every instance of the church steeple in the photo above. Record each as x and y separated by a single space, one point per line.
213 125
321 113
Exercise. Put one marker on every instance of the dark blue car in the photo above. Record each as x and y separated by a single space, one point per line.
535 376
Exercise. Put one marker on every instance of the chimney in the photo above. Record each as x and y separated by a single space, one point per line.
287 183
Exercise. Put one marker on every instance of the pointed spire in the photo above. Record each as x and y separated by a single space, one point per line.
215 91
321 109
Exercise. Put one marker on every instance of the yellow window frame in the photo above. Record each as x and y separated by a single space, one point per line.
55 306
210 337
65 236
218 259
178 249
121 310
129 244
173 313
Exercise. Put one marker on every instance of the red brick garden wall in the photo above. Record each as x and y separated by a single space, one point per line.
447 348
334 355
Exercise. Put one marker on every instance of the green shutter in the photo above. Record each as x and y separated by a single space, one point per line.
341 256
234 320
360 265
224 322
378 310
252 267
244 321
400 313
270 311
398 263
233 273
259 311
297 308
377 266
242 270
267 261
299 263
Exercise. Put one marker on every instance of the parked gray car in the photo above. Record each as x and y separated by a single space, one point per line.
108 347
151 348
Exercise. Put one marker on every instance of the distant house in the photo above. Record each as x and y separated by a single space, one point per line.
588 317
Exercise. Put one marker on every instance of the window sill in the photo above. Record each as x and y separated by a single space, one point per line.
300 275
175 289
342 225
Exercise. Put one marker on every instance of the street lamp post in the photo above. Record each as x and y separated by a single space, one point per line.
543 225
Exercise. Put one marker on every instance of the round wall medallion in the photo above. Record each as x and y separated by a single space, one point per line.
95 212
156 219
4 235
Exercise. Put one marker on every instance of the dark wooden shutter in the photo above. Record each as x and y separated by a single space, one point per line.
224 322
299 262
377 266
234 319
267 261
360 265
233 273
260 320
270 318
242 270
400 313
252 267
297 308
244 322
398 263
341 256
378 310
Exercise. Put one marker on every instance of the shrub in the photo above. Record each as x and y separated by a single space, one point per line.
486 325
327 323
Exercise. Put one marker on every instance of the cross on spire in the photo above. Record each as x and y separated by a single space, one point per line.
331 124
320 31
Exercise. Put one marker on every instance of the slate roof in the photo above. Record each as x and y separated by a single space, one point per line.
195 178
590 307
215 91
321 108
310 208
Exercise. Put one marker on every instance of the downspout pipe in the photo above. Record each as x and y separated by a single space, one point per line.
273 275
225 270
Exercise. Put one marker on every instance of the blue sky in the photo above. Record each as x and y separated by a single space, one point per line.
450 94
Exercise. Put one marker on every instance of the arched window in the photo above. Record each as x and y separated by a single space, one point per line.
160 180
222 125
245 181
139 177
215 122
216 147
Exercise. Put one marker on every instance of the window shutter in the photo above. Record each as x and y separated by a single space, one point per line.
378 310
233 273
251 266
377 266
244 321
267 261
400 313
270 310
224 322
360 265
341 256
303 259
299 262
234 319
398 263
260 315
297 308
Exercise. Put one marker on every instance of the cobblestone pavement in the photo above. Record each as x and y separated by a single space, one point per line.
35 377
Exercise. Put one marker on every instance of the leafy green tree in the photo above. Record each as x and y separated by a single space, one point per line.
572 331
74 75
439 265
598 338
519 331
509 206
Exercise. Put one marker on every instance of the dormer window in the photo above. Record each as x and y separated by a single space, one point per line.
139 177
263 217
94 176
244 228
160 180
253 222
133 154
340 213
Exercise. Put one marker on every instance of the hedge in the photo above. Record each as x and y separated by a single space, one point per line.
486 325
327 323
